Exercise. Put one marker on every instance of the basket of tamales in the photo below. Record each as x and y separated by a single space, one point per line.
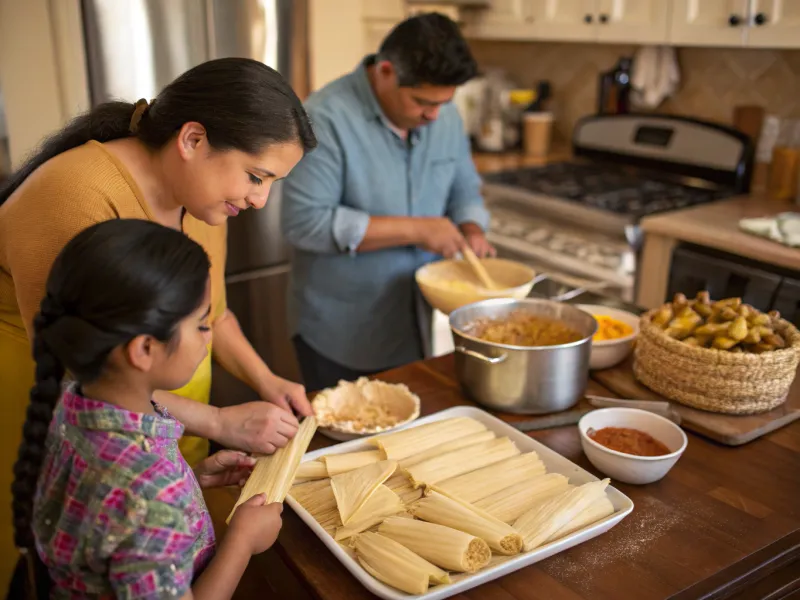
723 356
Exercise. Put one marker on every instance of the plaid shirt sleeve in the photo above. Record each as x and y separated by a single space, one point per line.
148 546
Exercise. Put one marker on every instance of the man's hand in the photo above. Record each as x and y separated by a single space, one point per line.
476 239
440 236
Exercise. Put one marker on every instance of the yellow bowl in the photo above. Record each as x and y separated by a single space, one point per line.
451 284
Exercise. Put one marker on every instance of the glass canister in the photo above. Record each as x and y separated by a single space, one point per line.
784 171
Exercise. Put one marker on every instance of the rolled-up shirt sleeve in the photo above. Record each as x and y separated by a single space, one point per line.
312 215
465 203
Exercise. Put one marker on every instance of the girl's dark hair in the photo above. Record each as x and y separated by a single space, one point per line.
111 283
242 103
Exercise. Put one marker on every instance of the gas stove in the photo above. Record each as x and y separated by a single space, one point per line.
608 187
581 218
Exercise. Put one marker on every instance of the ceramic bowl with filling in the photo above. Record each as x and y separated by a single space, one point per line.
355 409
451 284
630 468
611 352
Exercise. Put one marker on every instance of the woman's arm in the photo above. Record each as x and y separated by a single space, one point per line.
238 357
253 426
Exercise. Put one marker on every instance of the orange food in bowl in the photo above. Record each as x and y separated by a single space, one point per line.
609 328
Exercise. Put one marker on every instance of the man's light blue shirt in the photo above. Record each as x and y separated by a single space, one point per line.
362 310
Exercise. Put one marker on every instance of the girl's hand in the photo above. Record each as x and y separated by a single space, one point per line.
227 467
286 394
259 427
256 525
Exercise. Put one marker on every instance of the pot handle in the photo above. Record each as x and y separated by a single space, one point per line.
492 360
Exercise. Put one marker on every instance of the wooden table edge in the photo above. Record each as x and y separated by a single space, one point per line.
748 571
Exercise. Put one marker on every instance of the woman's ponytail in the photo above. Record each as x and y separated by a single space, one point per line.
106 122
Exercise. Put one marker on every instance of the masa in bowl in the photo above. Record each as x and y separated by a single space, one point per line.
451 284
363 407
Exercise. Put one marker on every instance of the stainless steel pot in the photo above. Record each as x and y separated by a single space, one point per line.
522 379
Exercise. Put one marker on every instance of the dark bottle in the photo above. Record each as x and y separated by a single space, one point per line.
614 91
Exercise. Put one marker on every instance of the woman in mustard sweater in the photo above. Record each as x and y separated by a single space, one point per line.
209 146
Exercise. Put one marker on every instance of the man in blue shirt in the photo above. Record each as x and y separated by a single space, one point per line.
390 187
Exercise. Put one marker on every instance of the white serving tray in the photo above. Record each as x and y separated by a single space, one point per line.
554 462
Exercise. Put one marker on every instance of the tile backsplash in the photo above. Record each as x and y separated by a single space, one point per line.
713 80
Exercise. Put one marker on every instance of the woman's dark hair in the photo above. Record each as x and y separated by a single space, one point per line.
242 103
428 49
111 283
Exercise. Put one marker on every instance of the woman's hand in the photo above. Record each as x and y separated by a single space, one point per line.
227 467
286 394
258 427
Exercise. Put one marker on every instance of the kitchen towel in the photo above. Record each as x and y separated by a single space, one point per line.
655 77
783 228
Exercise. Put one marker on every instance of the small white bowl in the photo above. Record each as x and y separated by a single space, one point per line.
608 353
630 468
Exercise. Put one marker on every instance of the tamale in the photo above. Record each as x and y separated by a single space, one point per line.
445 547
273 475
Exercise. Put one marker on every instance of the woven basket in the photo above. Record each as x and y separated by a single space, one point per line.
716 380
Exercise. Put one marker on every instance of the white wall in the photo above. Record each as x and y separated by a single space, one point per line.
336 38
42 71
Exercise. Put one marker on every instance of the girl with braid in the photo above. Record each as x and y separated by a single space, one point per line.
104 503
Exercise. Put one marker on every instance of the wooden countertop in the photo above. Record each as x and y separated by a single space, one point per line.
716 226
724 522
487 162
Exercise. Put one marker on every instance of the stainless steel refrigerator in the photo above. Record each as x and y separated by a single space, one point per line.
136 47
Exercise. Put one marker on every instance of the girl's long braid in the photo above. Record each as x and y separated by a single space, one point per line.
43 398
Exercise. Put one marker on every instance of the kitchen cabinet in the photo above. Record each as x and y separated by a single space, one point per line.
774 24
632 21
626 21
505 19
736 23
378 18
572 20
709 22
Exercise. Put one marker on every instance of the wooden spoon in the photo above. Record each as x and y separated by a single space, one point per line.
479 269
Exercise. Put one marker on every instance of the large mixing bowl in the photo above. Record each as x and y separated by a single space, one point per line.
450 284
522 379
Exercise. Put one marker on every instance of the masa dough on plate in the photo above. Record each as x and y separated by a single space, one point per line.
365 406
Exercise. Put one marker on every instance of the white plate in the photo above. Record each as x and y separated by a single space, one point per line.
554 462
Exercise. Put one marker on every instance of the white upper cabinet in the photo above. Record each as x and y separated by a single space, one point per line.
774 24
709 22
625 21
505 19
565 19
633 21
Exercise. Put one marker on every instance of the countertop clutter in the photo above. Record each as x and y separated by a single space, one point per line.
725 522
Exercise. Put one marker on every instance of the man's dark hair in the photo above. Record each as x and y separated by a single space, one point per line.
428 49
